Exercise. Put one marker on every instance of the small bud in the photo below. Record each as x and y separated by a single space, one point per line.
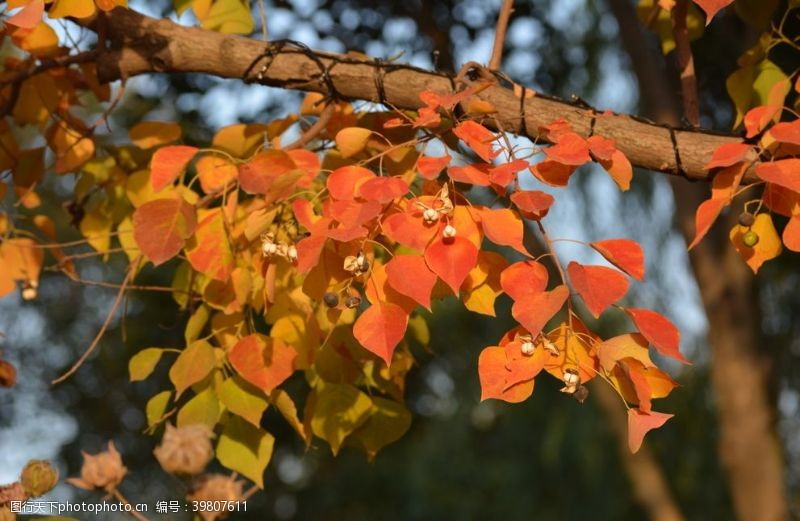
185 451
750 238
38 478
430 215
449 231
352 301
746 219
527 348
581 393
331 299
291 253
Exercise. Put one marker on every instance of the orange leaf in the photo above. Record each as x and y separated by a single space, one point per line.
431 167
352 140
161 227
711 7
209 251
503 227
533 204
263 361
149 134
492 373
602 148
478 138
629 345
215 172
409 230
380 328
259 173
659 331
534 310
625 254
474 174
641 385
640 423
725 183
553 173
598 286
728 154
343 183
523 278
783 173
759 117
452 260
570 149
29 16
382 189
619 168
787 132
409 275
791 234
768 246
168 163
505 174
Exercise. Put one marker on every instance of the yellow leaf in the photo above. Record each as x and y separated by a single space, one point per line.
481 300
149 134
192 365
108 5
71 148
203 409
156 407
142 364
41 40
215 172
387 424
768 245
96 227
74 8
228 16
240 140
750 86
338 410
352 140
243 399
245 449
126 240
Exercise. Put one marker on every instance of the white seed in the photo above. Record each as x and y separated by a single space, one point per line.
29 292
449 231
571 377
291 253
430 215
268 249
527 348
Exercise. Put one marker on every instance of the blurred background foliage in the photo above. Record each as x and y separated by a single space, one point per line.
548 458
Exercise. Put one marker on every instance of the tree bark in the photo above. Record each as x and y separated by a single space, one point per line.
749 446
141 45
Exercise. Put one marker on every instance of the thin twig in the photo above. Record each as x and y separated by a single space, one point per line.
500 34
314 130
103 328
691 105
262 10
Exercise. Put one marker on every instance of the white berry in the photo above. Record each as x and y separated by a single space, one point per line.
449 231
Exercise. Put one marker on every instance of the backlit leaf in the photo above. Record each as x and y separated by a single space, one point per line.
768 245
168 163
785 173
533 204
228 16
492 372
202 409
640 423
149 134
569 149
711 7
410 275
598 286
387 423
728 154
142 364
478 138
263 361
242 399
208 250
452 261
161 227
503 227
524 278
534 310
380 328
352 140
192 365
629 345
625 254
245 449
338 410
659 331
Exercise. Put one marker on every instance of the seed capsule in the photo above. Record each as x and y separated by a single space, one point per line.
571 381
430 215
581 393
527 348
268 249
331 299
750 238
291 253
352 301
746 219
449 231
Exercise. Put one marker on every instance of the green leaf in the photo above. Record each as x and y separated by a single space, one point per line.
193 364
203 408
156 407
387 423
245 449
244 399
338 410
749 86
418 327
196 324
142 364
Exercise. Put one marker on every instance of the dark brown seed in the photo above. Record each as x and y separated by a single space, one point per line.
331 299
352 302
746 219
581 393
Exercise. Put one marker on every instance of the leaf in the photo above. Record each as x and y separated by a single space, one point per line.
285 405
161 227
203 409
782 173
768 245
503 227
533 204
475 174
640 423
352 140
168 163
71 146
787 132
524 278
383 189
209 250
534 310
410 276
659 331
142 364
245 449
629 345
156 407
751 85
228 16
569 149
338 410
452 261
728 154
478 138
343 183
724 185
380 328
149 134
492 372
553 173
619 168
29 16
263 361
259 173
387 423
192 365
791 234
598 286
625 254
430 167
74 8
242 399
711 7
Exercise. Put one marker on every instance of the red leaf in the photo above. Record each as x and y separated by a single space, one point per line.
161 227
452 260
619 168
478 138
534 310
505 174
711 7
29 16
725 183
383 189
787 132
409 230
570 149
791 234
263 361
431 167
759 117
641 386
344 182
380 328
785 173
629 345
625 254
601 147
308 252
492 373
209 251
503 227
553 173
640 423
598 286
728 154
168 163
659 331
409 275
475 174
523 278
257 175
533 204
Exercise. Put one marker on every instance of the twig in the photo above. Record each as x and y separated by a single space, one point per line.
103 328
314 130
122 499
500 34
691 105
262 11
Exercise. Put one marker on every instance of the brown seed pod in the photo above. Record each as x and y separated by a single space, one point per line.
581 393
746 219
353 301
331 299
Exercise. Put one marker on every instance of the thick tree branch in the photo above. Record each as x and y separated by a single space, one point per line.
141 45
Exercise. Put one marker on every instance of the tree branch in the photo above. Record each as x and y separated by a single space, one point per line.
500 34
142 45
691 105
